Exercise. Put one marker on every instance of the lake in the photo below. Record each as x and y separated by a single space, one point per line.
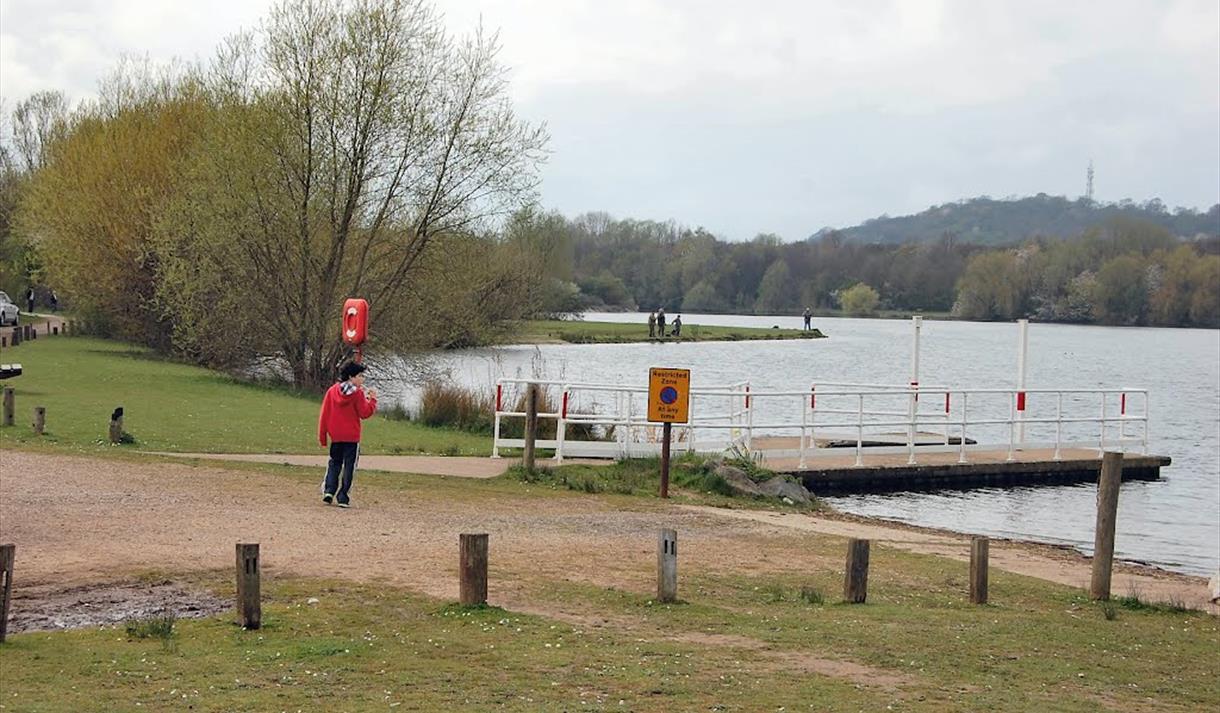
1173 523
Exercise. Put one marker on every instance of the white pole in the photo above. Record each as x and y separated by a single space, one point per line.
913 407
917 323
1022 352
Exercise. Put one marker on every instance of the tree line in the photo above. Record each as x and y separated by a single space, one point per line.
223 211
1123 271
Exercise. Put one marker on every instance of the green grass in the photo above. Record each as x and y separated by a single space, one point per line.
582 332
689 481
170 406
734 642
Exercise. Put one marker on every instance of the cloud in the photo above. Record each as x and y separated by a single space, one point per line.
781 116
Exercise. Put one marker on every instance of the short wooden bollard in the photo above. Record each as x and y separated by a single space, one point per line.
116 426
531 426
249 602
16 336
7 554
855 579
472 553
40 420
1107 515
978 570
10 406
667 566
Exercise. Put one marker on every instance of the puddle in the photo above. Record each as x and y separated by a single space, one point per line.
43 608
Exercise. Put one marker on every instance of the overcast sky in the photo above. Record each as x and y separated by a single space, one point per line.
778 116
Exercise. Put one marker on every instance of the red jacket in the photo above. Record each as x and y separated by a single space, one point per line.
341 413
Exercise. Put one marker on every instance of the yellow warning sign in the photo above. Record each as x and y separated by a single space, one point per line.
669 395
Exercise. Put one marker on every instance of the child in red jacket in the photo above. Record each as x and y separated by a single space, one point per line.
343 407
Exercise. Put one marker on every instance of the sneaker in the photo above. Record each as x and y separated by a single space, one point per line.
345 505
326 498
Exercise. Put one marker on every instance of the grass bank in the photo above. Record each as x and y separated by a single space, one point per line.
582 332
170 406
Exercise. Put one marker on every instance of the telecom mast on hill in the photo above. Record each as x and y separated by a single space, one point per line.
1088 186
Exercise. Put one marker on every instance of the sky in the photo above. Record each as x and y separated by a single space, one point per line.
778 116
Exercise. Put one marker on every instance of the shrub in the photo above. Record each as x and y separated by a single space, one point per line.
452 406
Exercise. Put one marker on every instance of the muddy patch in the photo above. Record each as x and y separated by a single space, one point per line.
48 608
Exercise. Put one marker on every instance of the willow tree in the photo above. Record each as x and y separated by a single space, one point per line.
346 138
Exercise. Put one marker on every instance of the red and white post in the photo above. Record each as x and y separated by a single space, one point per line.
1022 353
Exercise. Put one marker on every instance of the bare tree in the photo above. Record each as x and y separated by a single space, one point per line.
36 120
348 136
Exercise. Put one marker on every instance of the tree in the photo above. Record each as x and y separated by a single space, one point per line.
990 287
1121 294
347 138
775 290
703 298
859 300
37 120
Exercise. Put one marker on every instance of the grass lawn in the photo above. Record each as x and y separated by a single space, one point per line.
582 332
736 642
176 407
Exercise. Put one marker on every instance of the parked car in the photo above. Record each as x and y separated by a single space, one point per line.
10 313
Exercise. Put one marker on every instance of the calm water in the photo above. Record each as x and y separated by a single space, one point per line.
1174 523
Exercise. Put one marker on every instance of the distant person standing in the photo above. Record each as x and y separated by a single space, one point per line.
652 325
54 301
29 299
344 406
661 322
677 326
808 319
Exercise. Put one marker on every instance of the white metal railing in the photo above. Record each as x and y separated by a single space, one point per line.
830 416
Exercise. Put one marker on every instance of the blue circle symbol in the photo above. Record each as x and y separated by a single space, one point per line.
669 395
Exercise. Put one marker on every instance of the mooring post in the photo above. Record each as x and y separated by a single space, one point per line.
16 336
531 426
978 570
1107 515
667 566
472 555
855 580
40 420
249 603
10 398
7 554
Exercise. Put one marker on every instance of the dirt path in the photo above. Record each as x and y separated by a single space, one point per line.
80 521
455 466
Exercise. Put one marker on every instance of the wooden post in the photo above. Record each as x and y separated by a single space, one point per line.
1107 515
978 570
472 553
7 554
531 426
667 566
55 330
9 406
16 336
855 580
40 420
666 432
249 603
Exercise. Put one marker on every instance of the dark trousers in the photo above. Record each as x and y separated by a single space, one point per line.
342 456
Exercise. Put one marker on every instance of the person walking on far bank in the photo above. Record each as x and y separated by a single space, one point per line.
652 325
808 319
661 322
343 407
54 301
677 326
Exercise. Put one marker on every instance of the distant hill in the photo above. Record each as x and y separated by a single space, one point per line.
987 221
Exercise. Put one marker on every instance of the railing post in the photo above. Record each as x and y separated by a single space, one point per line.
804 433
860 429
495 432
1012 427
1122 422
912 407
749 420
961 444
1101 439
1058 424
1144 444
561 425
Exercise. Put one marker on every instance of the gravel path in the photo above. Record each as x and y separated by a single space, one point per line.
83 522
